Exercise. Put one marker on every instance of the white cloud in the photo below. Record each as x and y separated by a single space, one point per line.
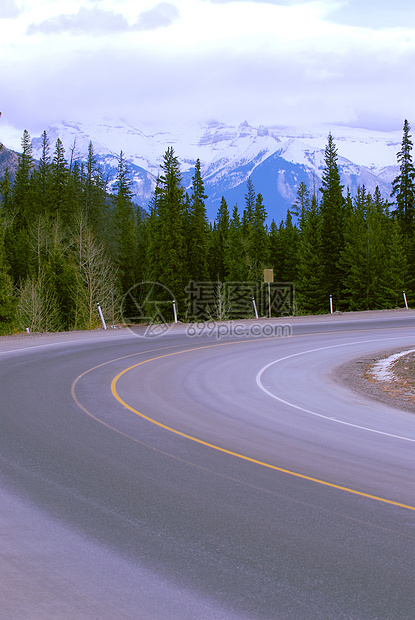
160 16
97 21
375 14
194 60
8 9
86 21
363 13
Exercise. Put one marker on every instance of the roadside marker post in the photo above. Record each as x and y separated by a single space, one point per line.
255 308
104 325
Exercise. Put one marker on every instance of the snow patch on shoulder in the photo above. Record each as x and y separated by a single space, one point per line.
382 370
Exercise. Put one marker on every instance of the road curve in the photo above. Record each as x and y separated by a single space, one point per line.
205 477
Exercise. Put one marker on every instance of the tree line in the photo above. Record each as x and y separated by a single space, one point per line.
66 243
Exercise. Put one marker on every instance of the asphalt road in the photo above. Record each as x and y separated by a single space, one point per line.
214 476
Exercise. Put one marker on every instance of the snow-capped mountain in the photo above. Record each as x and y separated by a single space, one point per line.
276 159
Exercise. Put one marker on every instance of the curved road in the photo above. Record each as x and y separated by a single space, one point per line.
205 477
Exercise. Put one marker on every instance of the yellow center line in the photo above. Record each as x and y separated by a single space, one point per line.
224 450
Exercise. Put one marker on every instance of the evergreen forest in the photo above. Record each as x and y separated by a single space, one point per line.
67 244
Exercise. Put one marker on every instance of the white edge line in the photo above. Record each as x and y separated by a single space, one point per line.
55 344
314 413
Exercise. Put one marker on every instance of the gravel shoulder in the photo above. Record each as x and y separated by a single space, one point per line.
398 390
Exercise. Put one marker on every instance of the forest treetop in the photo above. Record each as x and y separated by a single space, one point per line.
66 243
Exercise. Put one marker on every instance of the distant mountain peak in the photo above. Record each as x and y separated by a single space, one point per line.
276 158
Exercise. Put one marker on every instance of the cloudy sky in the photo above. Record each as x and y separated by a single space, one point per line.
156 64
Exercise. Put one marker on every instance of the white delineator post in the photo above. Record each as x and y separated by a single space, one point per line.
405 300
104 325
331 304
255 308
175 310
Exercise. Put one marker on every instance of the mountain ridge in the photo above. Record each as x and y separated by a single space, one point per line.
276 158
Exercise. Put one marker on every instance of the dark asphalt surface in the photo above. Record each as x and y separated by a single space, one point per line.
107 515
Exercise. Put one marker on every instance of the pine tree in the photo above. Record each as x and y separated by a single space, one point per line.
332 220
290 237
22 189
6 198
277 249
403 186
248 213
7 301
218 243
283 249
355 259
170 267
365 259
75 191
235 256
124 227
309 293
197 230
59 184
258 250
395 279
380 250
302 201
16 238
152 234
57 276
95 195
42 178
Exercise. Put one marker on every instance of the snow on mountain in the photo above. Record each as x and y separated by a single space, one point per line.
276 159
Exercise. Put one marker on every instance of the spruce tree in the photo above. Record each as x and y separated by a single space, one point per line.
170 268
95 195
152 234
235 256
197 230
75 191
277 249
16 238
124 227
309 292
7 301
22 188
332 220
290 244
403 189
365 259
6 209
218 244
395 279
403 186
42 179
248 213
258 250
302 201
59 185
355 259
